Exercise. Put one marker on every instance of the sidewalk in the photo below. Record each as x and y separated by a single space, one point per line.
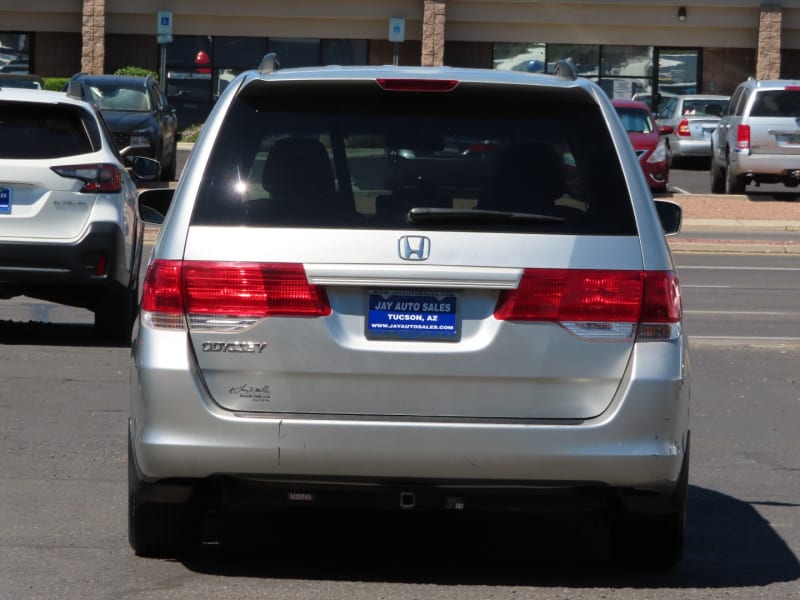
708 213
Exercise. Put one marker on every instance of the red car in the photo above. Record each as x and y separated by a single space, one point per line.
645 135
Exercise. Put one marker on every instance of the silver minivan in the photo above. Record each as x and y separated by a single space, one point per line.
411 289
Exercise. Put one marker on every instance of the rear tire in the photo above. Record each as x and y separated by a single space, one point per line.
155 529
717 178
168 172
115 312
655 541
734 184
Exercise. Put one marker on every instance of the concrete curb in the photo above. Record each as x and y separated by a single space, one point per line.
689 225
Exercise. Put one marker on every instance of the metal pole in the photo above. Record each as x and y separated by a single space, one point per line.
162 73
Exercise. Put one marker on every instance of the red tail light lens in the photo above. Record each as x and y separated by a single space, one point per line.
743 137
96 178
683 128
229 293
604 299
418 85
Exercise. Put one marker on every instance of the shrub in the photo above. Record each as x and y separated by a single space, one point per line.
55 84
191 132
136 72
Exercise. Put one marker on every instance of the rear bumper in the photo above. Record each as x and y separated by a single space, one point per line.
45 268
764 164
179 433
691 148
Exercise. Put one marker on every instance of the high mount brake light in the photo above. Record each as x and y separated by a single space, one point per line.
227 295
597 304
100 177
418 85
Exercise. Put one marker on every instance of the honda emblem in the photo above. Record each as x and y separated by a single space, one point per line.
414 247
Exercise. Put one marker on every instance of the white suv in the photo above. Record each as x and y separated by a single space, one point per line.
758 138
69 229
411 289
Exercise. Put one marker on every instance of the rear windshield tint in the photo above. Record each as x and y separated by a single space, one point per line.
43 131
355 156
776 103
635 120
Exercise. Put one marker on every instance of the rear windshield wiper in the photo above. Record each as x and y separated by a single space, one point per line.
422 215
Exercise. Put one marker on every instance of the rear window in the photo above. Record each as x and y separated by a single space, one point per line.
702 107
356 156
635 120
44 131
776 103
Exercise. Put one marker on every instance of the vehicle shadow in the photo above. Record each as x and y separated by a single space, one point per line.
729 545
35 333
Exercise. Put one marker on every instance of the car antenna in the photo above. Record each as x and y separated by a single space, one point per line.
269 63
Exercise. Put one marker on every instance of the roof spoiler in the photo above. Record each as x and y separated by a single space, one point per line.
269 64
74 90
565 70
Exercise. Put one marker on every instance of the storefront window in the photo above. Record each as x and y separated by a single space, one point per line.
529 58
15 53
584 57
677 70
189 70
239 52
629 61
295 52
344 52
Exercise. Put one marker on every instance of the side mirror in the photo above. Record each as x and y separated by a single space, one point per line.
152 205
670 215
666 130
144 168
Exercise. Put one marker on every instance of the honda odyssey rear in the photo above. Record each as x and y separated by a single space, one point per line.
374 288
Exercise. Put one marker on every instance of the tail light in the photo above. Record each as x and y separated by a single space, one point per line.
96 178
743 137
226 296
683 128
598 304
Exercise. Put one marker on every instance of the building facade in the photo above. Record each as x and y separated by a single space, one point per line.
627 46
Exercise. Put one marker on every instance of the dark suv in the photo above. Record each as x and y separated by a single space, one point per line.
137 114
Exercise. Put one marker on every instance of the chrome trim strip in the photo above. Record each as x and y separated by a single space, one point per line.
413 276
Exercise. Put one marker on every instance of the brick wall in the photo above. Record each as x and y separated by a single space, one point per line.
433 30
93 32
768 65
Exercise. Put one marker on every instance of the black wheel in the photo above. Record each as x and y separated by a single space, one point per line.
168 172
717 178
733 184
655 540
115 312
154 529
674 161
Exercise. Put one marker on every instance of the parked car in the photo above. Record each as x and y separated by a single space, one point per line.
647 140
20 80
16 66
758 137
69 230
310 337
692 119
137 113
